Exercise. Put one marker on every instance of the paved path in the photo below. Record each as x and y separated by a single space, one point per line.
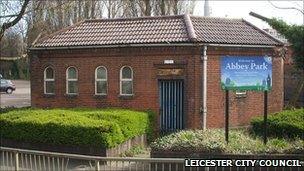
19 98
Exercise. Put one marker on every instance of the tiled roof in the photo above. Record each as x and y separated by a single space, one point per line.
229 31
152 30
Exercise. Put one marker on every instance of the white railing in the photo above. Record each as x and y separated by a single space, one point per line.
31 160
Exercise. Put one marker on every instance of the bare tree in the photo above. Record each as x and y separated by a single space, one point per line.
93 4
18 17
79 10
99 9
60 13
113 7
290 8
11 44
293 8
175 7
147 9
162 7
48 16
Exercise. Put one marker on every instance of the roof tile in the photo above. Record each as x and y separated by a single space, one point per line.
145 30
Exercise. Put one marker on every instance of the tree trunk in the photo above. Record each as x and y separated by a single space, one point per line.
93 3
133 9
79 10
148 8
109 8
163 7
60 14
86 9
175 7
75 18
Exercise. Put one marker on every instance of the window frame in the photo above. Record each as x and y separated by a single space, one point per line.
101 79
48 80
125 79
71 79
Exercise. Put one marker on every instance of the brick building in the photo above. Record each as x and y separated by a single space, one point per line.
170 64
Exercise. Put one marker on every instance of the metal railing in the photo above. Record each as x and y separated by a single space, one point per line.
31 160
21 159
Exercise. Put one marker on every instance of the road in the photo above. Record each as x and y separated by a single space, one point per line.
19 98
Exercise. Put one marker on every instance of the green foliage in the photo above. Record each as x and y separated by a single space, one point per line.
151 126
213 141
133 151
295 35
79 127
15 70
289 123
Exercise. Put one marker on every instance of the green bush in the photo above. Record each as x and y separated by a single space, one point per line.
288 123
152 125
79 127
213 141
136 150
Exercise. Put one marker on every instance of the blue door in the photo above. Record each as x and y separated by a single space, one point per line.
171 98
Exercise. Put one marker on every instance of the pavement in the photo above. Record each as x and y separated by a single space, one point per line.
19 98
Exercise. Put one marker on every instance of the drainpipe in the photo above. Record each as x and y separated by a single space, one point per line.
204 58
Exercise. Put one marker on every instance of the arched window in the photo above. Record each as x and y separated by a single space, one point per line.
126 81
71 80
101 81
49 80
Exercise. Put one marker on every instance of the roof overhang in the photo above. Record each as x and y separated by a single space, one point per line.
150 45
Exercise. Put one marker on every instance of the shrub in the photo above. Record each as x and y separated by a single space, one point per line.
136 150
131 122
79 127
196 140
151 126
288 123
213 141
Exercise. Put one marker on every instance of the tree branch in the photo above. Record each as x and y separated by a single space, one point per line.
6 16
7 25
293 8
29 11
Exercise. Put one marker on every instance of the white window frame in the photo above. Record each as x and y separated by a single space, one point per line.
126 79
71 79
48 79
101 79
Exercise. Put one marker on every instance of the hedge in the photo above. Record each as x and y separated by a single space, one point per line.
213 141
288 123
80 127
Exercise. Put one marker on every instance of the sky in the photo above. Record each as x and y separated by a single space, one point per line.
241 9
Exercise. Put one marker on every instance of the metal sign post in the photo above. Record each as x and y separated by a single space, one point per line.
227 117
265 115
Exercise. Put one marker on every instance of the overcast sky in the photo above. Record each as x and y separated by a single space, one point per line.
241 9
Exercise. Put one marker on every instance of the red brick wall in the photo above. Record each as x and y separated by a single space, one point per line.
144 62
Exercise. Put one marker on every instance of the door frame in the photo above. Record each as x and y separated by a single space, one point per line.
185 116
